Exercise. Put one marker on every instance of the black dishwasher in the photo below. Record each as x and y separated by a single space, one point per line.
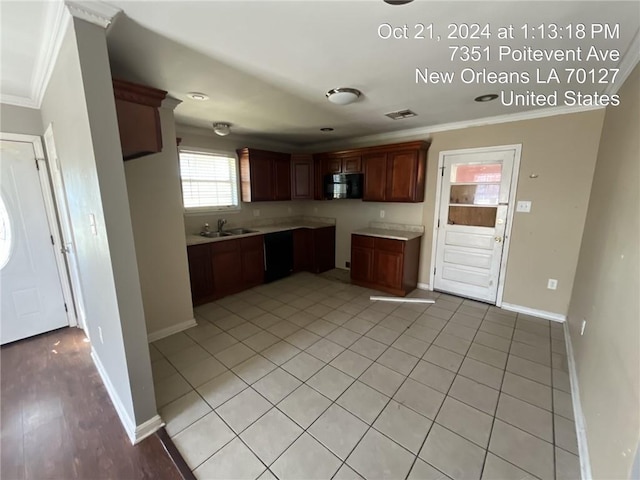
278 255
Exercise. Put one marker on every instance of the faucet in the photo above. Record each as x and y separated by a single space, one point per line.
221 223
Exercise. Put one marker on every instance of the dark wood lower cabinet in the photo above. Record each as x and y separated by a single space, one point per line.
200 273
385 264
225 267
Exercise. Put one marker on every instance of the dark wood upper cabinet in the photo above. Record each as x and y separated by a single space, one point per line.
138 118
395 173
351 164
264 176
375 177
302 173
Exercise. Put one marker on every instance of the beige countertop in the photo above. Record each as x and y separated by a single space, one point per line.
388 233
261 230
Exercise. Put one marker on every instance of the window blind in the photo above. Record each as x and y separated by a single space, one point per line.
208 180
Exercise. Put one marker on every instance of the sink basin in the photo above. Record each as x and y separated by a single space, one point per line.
239 231
214 234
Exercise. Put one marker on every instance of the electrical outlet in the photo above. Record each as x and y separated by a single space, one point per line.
347 264
552 284
382 212
523 206
584 325
256 212
100 335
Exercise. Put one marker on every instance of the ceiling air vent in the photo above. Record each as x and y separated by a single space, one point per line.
400 114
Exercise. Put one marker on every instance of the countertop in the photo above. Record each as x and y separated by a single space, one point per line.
388 233
393 231
261 230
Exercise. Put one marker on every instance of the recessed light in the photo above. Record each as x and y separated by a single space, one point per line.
326 129
397 2
201 97
343 96
486 98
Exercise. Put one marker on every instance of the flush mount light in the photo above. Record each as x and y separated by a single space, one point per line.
343 96
326 129
397 2
201 97
486 98
222 129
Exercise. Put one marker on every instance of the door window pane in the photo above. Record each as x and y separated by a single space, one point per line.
483 194
472 216
476 173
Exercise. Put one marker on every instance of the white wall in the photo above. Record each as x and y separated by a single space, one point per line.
605 294
153 185
79 102
14 119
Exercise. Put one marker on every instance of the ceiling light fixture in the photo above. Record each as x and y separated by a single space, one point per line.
222 129
201 97
486 98
326 129
343 96
397 2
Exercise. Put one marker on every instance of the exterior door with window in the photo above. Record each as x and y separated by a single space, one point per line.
474 203
31 293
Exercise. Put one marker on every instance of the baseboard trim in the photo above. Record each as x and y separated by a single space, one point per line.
126 421
166 332
554 317
581 431
424 286
147 428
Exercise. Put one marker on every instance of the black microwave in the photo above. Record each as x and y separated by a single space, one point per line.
343 185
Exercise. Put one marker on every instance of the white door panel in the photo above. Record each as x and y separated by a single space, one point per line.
30 288
474 198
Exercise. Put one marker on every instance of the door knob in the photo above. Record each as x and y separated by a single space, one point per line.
498 239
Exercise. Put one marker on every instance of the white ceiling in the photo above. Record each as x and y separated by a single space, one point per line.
267 64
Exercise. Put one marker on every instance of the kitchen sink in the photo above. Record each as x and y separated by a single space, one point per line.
239 231
215 234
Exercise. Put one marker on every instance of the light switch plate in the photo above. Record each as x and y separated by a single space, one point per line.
523 206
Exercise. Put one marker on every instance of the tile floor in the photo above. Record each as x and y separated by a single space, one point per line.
306 378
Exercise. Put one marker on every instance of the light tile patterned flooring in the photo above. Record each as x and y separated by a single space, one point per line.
306 378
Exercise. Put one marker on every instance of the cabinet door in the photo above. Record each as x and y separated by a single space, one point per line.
324 249
302 250
301 177
282 178
227 267
375 177
261 177
387 268
331 165
200 273
402 169
352 164
252 249
362 264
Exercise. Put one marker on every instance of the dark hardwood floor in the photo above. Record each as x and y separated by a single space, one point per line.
57 420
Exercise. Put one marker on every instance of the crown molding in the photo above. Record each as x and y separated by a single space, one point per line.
629 60
170 102
17 101
424 132
98 13
56 28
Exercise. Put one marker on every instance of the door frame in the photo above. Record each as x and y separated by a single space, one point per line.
52 220
517 149
64 224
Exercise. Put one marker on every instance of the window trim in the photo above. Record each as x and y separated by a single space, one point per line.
194 211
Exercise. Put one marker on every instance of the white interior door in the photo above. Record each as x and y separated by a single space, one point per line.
474 206
67 240
30 288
